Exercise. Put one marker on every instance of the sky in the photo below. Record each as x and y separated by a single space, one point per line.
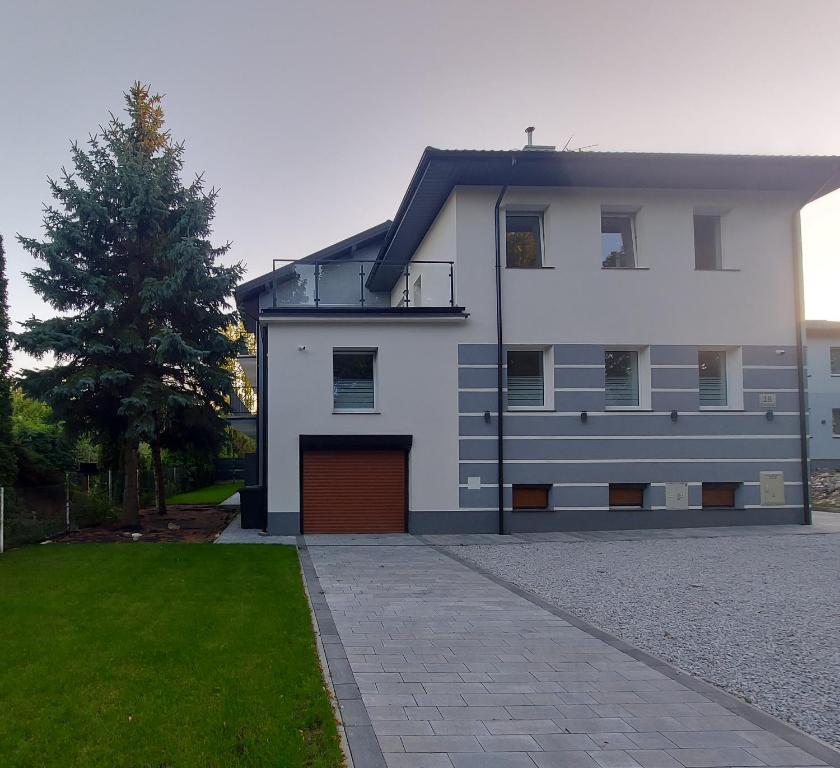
310 117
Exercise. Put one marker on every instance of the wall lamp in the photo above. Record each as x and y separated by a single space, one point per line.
584 416
487 416
674 415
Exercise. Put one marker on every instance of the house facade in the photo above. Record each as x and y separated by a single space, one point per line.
541 341
823 365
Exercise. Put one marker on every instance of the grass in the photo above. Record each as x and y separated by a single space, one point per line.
159 656
210 494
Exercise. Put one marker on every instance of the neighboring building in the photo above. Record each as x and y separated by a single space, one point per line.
823 364
624 326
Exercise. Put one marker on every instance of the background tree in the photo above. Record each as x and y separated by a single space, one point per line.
8 466
142 301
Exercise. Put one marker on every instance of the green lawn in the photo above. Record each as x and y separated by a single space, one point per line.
159 656
210 494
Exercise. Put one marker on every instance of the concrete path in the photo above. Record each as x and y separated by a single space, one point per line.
436 665
236 534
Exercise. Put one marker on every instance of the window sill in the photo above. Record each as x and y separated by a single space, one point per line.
625 269
718 408
620 408
629 509
541 266
355 410
526 408
531 509
722 269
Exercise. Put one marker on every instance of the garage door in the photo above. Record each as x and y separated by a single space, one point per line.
354 491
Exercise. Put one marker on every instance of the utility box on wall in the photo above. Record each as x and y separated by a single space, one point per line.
772 489
676 495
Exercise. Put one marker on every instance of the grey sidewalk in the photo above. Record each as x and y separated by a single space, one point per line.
454 670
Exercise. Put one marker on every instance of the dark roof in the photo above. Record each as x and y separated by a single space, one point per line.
440 170
255 286
822 327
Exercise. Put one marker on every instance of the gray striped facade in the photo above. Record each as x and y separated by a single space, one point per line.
579 459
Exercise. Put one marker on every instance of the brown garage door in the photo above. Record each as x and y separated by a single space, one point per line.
354 491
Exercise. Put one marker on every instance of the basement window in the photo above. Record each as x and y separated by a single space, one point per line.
719 495
530 497
627 495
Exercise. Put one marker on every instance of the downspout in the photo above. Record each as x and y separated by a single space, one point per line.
500 450
799 302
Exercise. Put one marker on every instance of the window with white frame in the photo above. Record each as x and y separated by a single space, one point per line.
618 241
714 387
526 378
353 380
707 242
622 378
523 240
834 357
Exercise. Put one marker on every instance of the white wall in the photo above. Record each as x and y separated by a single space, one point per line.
417 394
669 302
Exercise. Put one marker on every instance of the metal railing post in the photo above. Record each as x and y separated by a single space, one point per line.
317 278
362 284
451 284
406 298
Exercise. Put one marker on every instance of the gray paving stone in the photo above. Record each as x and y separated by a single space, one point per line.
508 743
498 760
613 758
722 757
653 758
396 760
561 742
697 739
783 756
402 727
568 759
449 743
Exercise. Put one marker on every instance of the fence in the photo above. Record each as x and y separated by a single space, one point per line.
34 513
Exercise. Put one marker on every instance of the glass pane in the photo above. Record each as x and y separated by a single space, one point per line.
295 286
835 360
523 247
706 242
835 421
525 378
622 378
352 380
617 241
712 378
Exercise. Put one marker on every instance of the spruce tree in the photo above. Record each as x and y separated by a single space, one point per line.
8 464
142 301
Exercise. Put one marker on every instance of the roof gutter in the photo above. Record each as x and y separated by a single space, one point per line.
500 437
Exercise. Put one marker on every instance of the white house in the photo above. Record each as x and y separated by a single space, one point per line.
544 340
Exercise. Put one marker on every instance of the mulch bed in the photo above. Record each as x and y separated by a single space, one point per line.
184 522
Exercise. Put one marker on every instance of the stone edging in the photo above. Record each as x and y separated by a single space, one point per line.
789 733
365 751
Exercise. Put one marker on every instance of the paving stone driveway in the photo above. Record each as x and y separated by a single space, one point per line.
455 670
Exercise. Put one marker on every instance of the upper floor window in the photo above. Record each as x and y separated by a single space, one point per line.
834 353
713 386
353 380
707 241
525 378
618 249
622 378
523 239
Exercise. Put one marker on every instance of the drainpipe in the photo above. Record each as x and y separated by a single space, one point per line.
798 300
500 451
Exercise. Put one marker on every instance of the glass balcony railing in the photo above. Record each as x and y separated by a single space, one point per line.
344 284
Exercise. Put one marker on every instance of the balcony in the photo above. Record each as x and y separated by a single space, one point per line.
344 285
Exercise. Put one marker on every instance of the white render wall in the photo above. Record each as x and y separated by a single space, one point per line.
669 302
416 391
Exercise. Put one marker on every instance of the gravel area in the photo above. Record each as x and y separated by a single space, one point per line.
756 615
